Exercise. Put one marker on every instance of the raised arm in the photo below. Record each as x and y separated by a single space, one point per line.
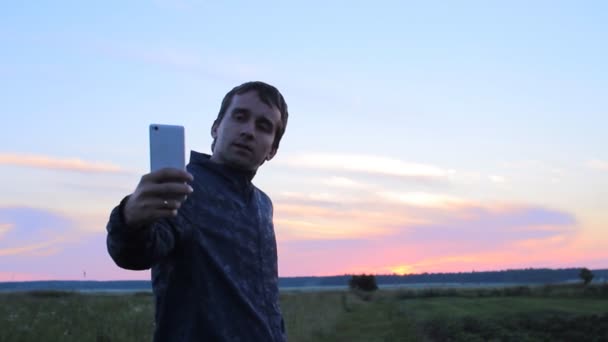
143 228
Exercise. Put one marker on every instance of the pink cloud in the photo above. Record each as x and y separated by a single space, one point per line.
361 237
32 227
51 163
382 237
43 245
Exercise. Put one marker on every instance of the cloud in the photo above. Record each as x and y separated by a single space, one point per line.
424 218
318 216
345 183
34 232
497 179
403 217
597 164
487 227
5 227
413 231
314 239
523 164
373 200
112 188
368 164
36 249
44 244
423 199
51 163
326 199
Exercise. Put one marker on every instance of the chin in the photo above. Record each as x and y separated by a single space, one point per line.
242 163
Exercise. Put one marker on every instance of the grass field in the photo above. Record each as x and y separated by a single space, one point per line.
513 314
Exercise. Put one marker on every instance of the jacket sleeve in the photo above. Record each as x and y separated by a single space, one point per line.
138 248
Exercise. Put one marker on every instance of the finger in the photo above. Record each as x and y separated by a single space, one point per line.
164 213
167 190
169 204
168 175
179 198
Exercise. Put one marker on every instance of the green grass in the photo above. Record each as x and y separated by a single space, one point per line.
310 314
64 316
497 307
531 314
567 313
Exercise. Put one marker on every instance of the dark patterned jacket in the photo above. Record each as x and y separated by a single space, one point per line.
214 266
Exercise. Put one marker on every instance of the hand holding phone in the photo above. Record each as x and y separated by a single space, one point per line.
161 192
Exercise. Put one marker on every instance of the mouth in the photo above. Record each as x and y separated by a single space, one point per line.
243 147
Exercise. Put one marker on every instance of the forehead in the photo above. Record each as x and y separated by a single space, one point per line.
252 102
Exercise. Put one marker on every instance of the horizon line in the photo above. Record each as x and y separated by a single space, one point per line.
326 276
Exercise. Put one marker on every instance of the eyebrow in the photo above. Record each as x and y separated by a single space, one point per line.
248 112
240 109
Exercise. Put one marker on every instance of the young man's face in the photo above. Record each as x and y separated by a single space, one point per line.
245 135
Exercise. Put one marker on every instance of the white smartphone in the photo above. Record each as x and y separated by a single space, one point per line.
167 147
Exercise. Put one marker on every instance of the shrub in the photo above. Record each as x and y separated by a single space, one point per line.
586 275
363 282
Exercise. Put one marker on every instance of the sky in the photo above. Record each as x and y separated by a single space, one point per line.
422 137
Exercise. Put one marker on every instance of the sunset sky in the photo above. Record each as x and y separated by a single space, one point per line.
423 136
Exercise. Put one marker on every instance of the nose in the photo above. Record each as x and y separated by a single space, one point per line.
248 129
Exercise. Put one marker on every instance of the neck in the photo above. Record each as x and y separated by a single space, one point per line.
238 168
227 168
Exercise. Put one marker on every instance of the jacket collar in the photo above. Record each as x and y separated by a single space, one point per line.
239 177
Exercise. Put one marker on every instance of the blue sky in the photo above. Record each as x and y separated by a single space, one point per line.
409 122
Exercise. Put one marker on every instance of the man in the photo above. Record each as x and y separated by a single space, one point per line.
207 232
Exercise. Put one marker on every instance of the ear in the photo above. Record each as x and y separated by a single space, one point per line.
272 153
214 130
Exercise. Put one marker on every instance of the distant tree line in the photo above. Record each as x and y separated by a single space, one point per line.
521 276
518 276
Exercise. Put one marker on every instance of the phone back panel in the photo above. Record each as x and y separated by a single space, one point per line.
167 147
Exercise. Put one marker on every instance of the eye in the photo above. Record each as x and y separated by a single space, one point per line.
265 126
239 116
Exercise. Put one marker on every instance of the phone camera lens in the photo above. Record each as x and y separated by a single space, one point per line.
156 128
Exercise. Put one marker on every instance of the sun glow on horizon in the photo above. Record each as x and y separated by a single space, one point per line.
403 269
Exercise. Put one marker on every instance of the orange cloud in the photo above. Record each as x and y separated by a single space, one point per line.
367 164
37 249
311 220
414 232
46 162
5 227
545 243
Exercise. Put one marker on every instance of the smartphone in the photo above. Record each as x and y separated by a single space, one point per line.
167 147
